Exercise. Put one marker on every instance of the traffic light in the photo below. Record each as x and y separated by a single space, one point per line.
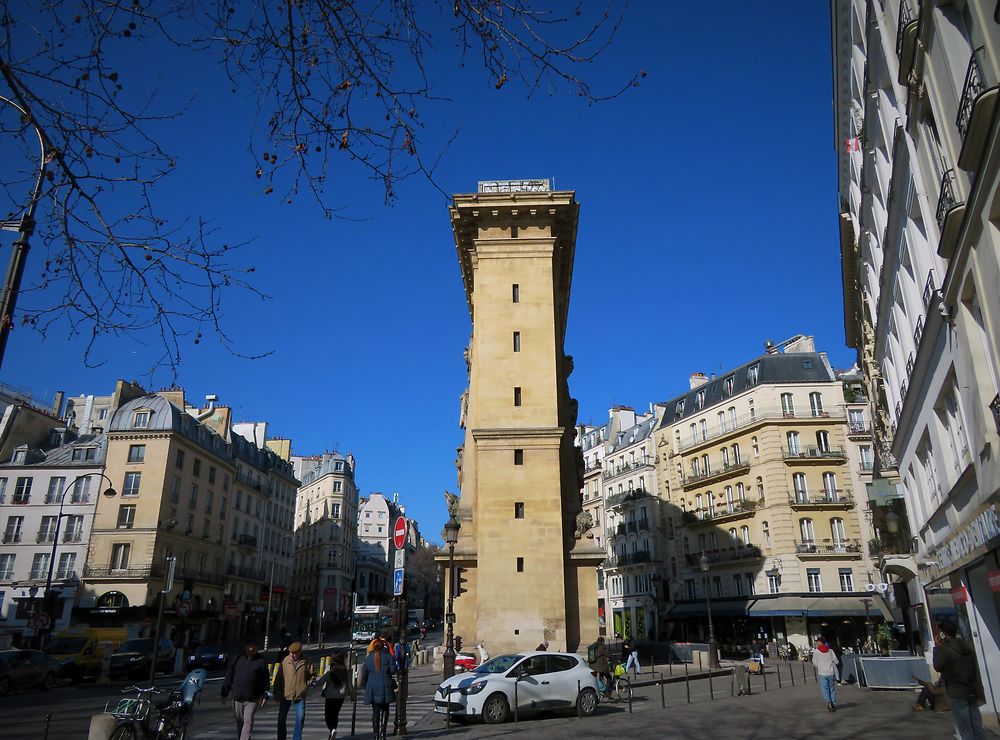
458 582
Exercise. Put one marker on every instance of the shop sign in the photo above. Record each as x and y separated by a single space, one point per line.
994 576
959 595
976 534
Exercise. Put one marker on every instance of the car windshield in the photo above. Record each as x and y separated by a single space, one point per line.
136 646
499 664
66 645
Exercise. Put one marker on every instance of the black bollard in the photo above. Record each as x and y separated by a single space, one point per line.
711 690
804 673
687 682
663 695
791 673
749 685
763 675
579 709
48 719
779 675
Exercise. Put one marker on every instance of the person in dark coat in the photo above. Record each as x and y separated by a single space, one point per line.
955 661
337 686
601 665
246 682
380 691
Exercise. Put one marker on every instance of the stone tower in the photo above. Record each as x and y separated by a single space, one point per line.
528 568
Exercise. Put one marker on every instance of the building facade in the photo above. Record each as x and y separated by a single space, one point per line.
763 505
918 159
325 537
48 494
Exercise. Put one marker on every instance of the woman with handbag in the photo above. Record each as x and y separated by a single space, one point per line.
337 687
380 687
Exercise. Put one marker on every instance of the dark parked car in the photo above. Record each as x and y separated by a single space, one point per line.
208 656
133 657
25 669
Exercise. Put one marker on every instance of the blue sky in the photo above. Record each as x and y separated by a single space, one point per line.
708 224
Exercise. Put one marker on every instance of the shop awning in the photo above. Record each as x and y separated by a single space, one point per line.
781 606
698 609
811 606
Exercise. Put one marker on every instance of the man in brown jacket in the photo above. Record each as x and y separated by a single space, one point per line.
290 686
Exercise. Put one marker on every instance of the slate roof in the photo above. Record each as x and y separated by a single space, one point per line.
632 435
62 456
792 367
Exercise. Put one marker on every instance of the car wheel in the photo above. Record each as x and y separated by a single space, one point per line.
49 682
495 709
4 685
586 703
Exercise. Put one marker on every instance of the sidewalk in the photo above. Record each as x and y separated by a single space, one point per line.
787 713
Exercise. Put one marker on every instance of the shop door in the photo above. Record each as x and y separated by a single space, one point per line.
986 632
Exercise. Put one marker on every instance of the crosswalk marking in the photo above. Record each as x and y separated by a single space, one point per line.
314 728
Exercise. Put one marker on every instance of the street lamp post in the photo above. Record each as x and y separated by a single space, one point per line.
25 227
50 603
270 596
451 528
713 648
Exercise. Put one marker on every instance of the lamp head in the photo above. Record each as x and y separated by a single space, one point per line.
110 492
451 528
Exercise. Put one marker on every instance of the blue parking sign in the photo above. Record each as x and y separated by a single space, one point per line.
397 582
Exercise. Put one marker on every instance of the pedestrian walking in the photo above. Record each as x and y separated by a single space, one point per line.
630 655
543 645
826 662
955 661
380 687
290 687
246 681
337 687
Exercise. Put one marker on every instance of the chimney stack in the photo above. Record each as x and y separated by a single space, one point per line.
698 380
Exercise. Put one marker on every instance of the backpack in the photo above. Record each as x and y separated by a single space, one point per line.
592 653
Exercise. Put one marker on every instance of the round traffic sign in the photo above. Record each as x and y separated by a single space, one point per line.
399 533
184 609
40 621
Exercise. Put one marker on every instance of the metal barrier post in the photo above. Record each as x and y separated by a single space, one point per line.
447 709
763 675
778 665
663 695
699 660
804 673
711 690
791 673
630 698
687 682
48 719
749 685
579 708
515 701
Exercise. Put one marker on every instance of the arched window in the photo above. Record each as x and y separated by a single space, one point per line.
767 533
807 532
756 446
112 600
695 467
816 404
698 506
736 454
760 487
729 499
732 417
733 537
725 457
787 405
722 421
741 494
823 441
745 534
837 532
830 486
794 447
706 465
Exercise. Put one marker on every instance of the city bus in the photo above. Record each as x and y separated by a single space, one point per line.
369 621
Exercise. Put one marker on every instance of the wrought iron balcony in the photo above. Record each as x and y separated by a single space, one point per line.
45 535
721 512
11 537
890 544
106 571
616 470
72 535
827 548
947 201
626 497
973 88
725 555
840 497
813 453
859 428
905 17
724 471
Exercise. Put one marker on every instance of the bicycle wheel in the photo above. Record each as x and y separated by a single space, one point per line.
125 732
623 688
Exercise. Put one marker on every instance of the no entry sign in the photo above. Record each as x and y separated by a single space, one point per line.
399 533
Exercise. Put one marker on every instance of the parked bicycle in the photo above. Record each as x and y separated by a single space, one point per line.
141 717
620 686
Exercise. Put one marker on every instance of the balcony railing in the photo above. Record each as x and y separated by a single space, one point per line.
725 554
905 17
72 536
106 571
616 470
973 88
626 496
45 535
889 544
813 453
947 200
746 420
837 497
859 427
722 511
828 547
867 466
11 537
20 499
691 480
631 558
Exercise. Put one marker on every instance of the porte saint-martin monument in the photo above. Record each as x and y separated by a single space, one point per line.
527 568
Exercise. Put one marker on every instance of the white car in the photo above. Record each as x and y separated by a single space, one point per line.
541 680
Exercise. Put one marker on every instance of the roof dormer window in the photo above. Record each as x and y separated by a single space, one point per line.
84 453
141 419
19 456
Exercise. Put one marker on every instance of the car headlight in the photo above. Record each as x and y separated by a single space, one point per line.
474 688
